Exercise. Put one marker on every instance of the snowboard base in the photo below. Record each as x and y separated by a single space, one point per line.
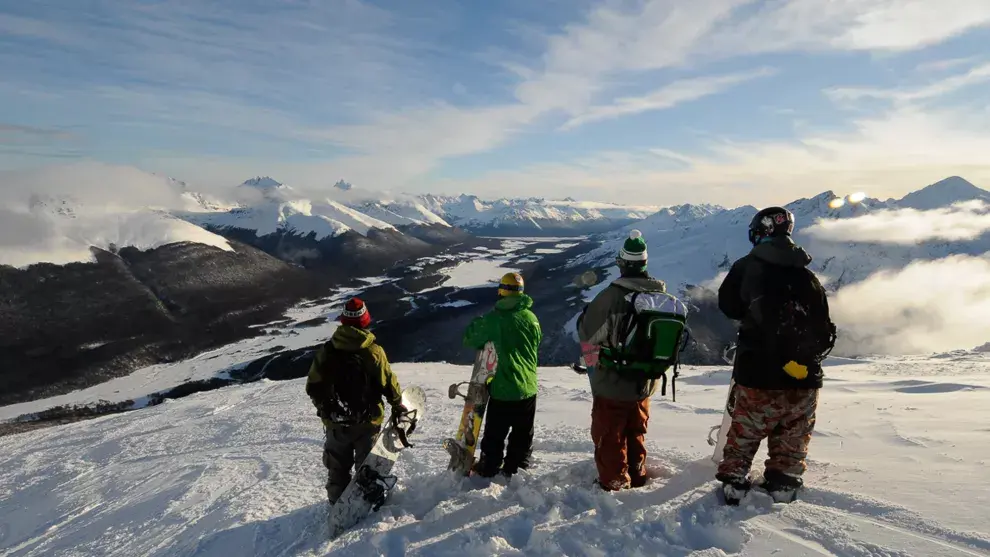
463 444
372 484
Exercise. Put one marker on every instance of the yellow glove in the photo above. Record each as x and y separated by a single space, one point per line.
796 370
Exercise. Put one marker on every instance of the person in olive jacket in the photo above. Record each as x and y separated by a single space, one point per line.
515 331
349 377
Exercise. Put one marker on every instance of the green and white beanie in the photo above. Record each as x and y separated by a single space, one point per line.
634 248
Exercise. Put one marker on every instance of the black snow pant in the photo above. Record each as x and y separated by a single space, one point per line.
344 447
501 417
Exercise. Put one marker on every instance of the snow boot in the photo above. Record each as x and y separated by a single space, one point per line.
781 487
597 484
735 489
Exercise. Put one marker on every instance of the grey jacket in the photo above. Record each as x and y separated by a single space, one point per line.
599 325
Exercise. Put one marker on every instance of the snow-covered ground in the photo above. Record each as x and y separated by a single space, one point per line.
898 468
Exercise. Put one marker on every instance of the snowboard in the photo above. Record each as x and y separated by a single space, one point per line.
462 445
723 428
372 482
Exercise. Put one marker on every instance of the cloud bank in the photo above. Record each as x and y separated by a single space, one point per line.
54 215
961 221
929 306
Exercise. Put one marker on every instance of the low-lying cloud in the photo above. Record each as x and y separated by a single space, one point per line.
93 185
928 306
963 221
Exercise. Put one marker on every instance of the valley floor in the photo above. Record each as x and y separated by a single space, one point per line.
898 468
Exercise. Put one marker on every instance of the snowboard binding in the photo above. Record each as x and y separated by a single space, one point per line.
375 487
404 424
453 391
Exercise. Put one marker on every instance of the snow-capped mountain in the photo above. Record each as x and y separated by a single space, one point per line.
533 216
954 189
401 212
906 275
694 243
281 210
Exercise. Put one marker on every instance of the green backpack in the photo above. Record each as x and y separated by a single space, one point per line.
655 333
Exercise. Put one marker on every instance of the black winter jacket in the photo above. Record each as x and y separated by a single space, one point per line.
741 287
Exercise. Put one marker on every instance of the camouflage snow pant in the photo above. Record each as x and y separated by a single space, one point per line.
344 447
786 418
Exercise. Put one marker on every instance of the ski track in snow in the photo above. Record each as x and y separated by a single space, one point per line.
238 472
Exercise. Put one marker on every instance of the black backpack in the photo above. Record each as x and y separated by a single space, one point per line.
793 317
348 396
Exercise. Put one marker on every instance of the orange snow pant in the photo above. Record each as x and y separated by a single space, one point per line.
618 429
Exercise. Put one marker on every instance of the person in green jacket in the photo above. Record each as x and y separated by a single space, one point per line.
515 331
348 378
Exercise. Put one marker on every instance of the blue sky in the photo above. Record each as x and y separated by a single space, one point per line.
726 101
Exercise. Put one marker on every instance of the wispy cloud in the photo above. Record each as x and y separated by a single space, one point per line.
962 221
373 92
668 96
883 154
977 75
872 25
946 64
10 133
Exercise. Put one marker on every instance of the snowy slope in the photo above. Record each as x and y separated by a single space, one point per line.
895 470
401 212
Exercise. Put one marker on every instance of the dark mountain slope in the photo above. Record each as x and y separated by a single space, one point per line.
72 326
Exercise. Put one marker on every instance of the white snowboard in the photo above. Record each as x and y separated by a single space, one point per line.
723 428
371 484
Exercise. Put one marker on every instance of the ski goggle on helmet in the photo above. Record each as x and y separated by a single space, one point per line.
771 222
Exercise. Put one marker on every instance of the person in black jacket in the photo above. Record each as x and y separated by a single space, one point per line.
784 332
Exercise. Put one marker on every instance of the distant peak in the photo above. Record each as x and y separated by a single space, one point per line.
943 193
344 186
955 183
263 182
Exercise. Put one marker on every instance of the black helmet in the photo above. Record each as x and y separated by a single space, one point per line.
771 222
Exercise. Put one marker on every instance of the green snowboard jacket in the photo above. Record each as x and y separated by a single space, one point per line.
516 333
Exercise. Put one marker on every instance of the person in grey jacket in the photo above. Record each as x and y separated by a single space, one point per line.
621 406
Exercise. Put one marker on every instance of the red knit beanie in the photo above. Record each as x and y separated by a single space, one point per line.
356 314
